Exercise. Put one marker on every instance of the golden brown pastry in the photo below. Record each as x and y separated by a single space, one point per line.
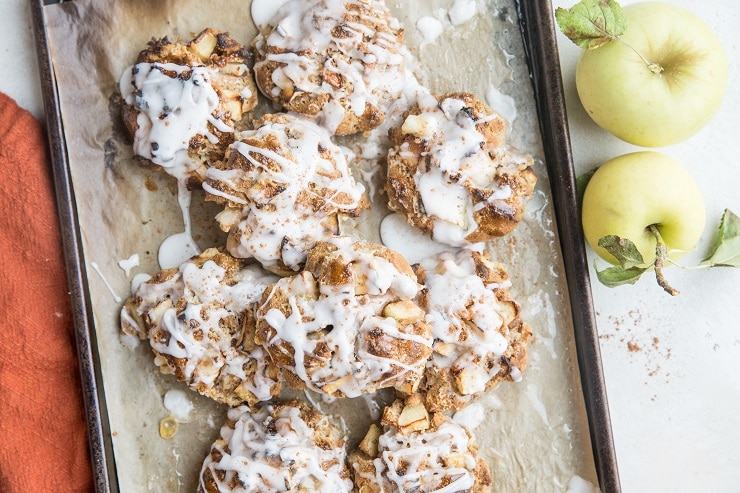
287 446
340 61
418 451
347 324
283 187
451 174
183 101
198 321
479 336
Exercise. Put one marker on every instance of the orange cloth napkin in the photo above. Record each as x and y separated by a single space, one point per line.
43 435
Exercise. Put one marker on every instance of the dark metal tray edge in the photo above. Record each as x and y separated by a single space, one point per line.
100 441
538 31
539 35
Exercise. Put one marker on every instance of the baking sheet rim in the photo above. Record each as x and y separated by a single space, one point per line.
538 32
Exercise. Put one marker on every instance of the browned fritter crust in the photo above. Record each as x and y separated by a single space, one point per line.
252 442
283 186
338 67
469 357
231 78
414 450
202 337
413 153
347 324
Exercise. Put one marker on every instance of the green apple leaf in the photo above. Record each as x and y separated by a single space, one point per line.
726 251
618 276
592 23
623 250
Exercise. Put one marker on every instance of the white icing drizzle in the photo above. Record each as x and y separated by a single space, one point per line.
264 10
175 249
416 462
128 340
471 416
275 450
194 332
172 110
463 313
96 268
129 263
430 28
502 103
401 236
180 247
349 318
178 404
462 11
369 60
284 226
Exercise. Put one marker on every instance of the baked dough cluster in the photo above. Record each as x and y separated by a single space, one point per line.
479 336
451 174
183 101
285 446
283 187
414 450
339 61
198 321
346 325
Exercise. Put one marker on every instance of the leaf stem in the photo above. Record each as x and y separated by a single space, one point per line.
652 66
661 255
689 267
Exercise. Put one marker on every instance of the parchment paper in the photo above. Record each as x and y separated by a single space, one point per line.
533 434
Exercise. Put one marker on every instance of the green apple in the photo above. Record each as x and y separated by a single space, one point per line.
629 194
660 82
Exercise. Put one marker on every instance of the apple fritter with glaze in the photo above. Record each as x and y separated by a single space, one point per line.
347 324
184 101
479 336
451 173
339 61
198 321
414 450
287 446
283 186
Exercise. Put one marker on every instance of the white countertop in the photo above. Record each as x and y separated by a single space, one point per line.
672 365
675 401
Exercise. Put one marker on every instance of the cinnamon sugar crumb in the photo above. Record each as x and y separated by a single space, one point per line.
637 334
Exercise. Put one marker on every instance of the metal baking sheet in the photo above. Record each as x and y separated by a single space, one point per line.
526 36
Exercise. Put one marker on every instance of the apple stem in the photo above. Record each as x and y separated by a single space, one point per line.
652 66
661 254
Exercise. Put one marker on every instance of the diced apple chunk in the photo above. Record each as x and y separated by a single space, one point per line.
234 107
155 315
414 125
235 69
404 312
332 388
228 218
369 444
204 44
444 348
413 418
470 381
409 386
